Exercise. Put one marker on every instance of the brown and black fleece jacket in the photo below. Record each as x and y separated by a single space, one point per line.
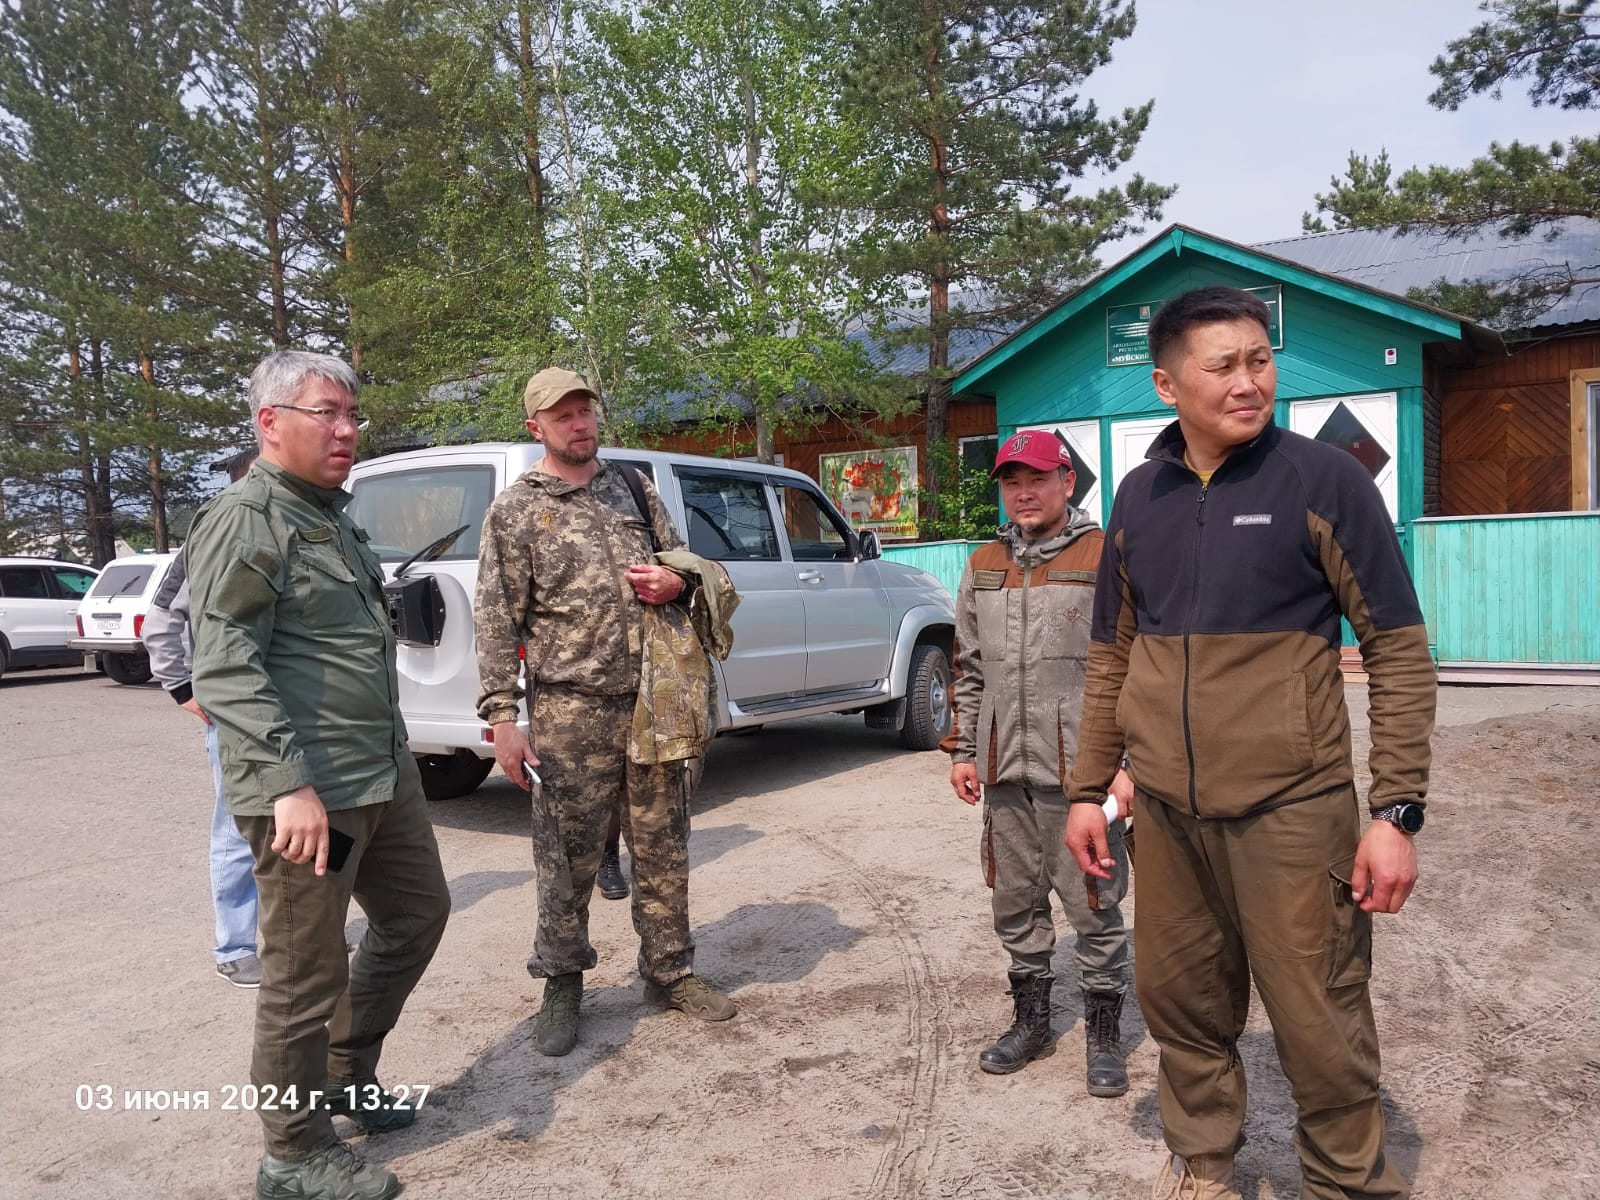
1215 642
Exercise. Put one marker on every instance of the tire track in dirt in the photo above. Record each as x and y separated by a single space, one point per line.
921 1141
907 1160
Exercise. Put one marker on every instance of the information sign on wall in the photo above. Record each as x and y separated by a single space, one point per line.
1128 327
874 489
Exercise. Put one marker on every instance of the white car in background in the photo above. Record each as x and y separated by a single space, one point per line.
38 603
110 619
826 625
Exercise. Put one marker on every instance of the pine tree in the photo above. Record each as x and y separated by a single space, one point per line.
1515 189
981 134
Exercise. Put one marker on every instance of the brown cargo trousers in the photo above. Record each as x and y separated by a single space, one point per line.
1023 840
581 742
321 1016
1265 896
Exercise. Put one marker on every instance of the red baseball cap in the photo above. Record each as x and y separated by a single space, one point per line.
1036 448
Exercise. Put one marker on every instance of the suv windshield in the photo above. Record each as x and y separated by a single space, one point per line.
127 579
404 511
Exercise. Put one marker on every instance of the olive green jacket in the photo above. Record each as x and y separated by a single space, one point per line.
294 659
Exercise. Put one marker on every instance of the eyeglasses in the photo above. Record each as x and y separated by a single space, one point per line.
330 416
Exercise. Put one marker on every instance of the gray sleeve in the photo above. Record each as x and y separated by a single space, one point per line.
166 638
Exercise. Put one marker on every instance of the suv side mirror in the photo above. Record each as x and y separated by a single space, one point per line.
867 546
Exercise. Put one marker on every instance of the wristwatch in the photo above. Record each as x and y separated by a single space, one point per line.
1407 818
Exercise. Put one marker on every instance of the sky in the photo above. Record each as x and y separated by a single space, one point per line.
1259 103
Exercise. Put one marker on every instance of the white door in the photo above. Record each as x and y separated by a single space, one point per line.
1362 425
1083 440
1129 441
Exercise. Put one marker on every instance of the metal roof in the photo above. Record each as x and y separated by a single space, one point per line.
1396 262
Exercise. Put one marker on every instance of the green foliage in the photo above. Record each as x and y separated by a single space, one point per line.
730 161
1517 189
982 144
968 508
1555 42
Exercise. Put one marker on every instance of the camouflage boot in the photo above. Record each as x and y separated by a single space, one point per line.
694 996
556 1031
1030 1035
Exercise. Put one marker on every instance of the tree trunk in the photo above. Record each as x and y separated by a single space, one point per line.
96 469
754 249
937 406
528 93
271 208
344 184
158 489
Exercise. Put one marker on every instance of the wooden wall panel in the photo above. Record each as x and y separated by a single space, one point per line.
1505 443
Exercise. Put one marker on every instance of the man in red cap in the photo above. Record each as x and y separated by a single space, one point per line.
1022 636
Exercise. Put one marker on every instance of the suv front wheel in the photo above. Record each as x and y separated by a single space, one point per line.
928 710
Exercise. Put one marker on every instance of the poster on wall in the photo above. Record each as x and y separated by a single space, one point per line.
874 489
1128 327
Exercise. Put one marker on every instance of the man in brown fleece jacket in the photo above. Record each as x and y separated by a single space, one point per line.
1230 557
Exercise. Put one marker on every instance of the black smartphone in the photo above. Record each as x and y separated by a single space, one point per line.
339 847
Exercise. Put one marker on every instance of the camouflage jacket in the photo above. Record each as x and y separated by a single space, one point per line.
550 580
1022 640
675 715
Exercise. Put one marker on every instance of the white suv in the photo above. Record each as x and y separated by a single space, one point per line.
38 601
826 625
111 616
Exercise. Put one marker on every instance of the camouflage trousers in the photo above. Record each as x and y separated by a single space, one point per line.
1023 832
581 742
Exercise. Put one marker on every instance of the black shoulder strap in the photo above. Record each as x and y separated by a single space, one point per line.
635 482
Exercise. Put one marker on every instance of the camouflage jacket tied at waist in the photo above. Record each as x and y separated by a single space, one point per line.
674 717
550 580
1023 612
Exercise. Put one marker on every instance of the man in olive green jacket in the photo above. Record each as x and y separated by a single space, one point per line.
294 661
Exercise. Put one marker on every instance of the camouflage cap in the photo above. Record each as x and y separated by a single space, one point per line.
551 385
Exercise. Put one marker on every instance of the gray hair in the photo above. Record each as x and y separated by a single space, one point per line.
280 377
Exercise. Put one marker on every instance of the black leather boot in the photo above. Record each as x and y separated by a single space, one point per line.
613 884
1102 1040
1030 1035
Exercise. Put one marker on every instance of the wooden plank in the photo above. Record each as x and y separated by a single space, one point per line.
1511 590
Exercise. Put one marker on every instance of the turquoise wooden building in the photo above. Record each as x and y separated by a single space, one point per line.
1357 367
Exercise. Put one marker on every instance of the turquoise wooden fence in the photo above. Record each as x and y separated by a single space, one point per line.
1515 589
943 560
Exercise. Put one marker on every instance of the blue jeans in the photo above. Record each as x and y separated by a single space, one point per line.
233 886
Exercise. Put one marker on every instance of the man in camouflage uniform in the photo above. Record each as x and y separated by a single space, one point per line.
1022 635
564 573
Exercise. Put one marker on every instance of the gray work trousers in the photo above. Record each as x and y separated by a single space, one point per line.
1023 832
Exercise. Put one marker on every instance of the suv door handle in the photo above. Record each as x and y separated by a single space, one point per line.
809 576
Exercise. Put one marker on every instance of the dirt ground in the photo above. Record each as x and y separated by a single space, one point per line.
836 894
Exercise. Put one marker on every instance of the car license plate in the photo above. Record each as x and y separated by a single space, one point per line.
107 627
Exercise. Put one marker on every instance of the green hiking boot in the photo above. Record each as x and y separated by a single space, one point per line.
694 996
368 1105
335 1172
556 1031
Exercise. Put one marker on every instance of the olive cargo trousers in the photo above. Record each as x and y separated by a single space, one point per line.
320 1015
1265 896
